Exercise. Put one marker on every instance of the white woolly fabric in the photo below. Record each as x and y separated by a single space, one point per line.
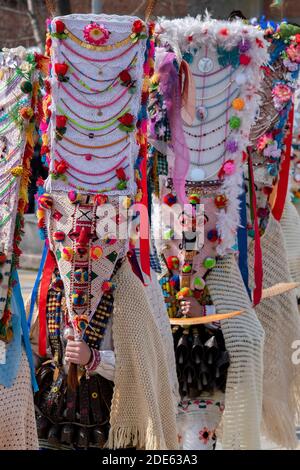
200 39
280 319
17 418
93 99
244 340
158 307
290 224
142 409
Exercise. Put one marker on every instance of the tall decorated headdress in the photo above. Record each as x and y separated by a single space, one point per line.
95 142
18 94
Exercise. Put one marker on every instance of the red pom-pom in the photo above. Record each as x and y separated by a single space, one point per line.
137 26
172 262
245 59
170 199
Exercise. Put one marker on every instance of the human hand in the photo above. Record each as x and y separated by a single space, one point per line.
77 352
190 307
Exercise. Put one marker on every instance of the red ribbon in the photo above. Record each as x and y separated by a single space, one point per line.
258 268
49 266
283 178
144 241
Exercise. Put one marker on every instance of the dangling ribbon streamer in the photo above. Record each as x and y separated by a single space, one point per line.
20 305
283 178
36 285
169 86
258 268
49 266
242 242
188 93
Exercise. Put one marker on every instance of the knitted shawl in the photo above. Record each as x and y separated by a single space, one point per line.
280 319
244 340
142 410
290 224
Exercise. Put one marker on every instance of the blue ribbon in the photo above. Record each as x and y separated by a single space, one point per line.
243 242
36 285
19 301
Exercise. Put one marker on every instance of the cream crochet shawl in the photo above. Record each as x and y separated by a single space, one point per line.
142 410
281 322
290 224
244 339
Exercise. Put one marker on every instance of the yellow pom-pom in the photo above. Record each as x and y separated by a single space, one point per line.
139 196
17 171
238 104
155 78
96 252
127 201
67 253
45 139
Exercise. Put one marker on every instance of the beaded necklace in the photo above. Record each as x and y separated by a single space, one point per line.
111 120
109 59
7 126
203 98
89 156
91 135
214 84
206 133
95 183
95 147
209 148
92 174
211 73
90 105
223 101
82 126
93 191
4 220
197 163
71 65
211 120
8 81
93 47
94 92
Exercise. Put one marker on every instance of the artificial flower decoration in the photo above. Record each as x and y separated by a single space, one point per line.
61 121
61 69
244 46
227 169
26 113
264 140
138 31
122 184
183 293
293 53
125 77
238 104
126 122
100 199
281 95
60 167
172 262
204 435
96 34
59 32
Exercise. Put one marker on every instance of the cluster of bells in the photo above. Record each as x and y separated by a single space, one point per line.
201 359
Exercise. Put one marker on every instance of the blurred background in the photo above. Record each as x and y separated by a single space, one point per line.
22 21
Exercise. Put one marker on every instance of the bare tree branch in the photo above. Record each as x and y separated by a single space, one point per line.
12 10
141 5
34 24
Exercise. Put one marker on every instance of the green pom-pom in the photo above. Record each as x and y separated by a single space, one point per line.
209 263
26 87
234 122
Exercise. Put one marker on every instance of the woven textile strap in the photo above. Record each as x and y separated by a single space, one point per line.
49 266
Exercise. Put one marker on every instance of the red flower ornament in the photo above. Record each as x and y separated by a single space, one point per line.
61 121
59 26
60 167
245 59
